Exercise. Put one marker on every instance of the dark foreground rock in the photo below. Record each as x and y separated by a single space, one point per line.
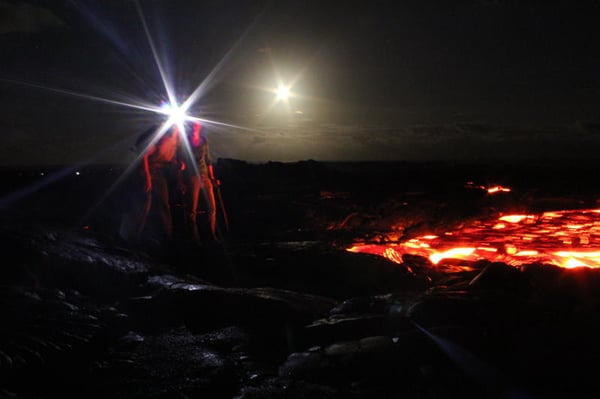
82 318
279 308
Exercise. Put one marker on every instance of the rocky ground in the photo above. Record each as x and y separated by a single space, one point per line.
278 308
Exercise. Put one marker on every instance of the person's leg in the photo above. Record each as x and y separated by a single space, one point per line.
209 195
160 187
193 211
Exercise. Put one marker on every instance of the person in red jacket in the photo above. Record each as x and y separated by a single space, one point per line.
160 171
149 217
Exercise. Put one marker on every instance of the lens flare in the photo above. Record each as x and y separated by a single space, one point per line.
283 92
176 115
176 109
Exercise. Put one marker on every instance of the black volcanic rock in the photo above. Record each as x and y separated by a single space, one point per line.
279 308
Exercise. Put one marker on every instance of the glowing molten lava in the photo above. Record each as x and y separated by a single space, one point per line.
565 238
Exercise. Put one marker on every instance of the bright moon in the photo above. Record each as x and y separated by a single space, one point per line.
283 92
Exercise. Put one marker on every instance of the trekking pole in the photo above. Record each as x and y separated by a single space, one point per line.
217 188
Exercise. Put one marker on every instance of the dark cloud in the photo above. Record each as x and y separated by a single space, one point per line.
449 142
26 18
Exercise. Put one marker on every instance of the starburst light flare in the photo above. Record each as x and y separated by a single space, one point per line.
175 108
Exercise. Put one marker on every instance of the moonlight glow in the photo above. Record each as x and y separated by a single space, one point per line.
283 92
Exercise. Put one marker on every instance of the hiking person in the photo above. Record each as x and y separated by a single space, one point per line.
154 182
198 179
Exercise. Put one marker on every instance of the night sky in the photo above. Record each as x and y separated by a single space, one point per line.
370 80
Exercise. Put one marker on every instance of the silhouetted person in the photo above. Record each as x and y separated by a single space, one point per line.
155 179
199 177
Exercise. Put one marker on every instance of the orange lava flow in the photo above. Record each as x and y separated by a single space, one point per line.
566 239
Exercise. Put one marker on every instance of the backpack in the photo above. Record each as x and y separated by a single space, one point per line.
144 139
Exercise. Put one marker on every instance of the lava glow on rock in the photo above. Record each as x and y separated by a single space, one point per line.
568 239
